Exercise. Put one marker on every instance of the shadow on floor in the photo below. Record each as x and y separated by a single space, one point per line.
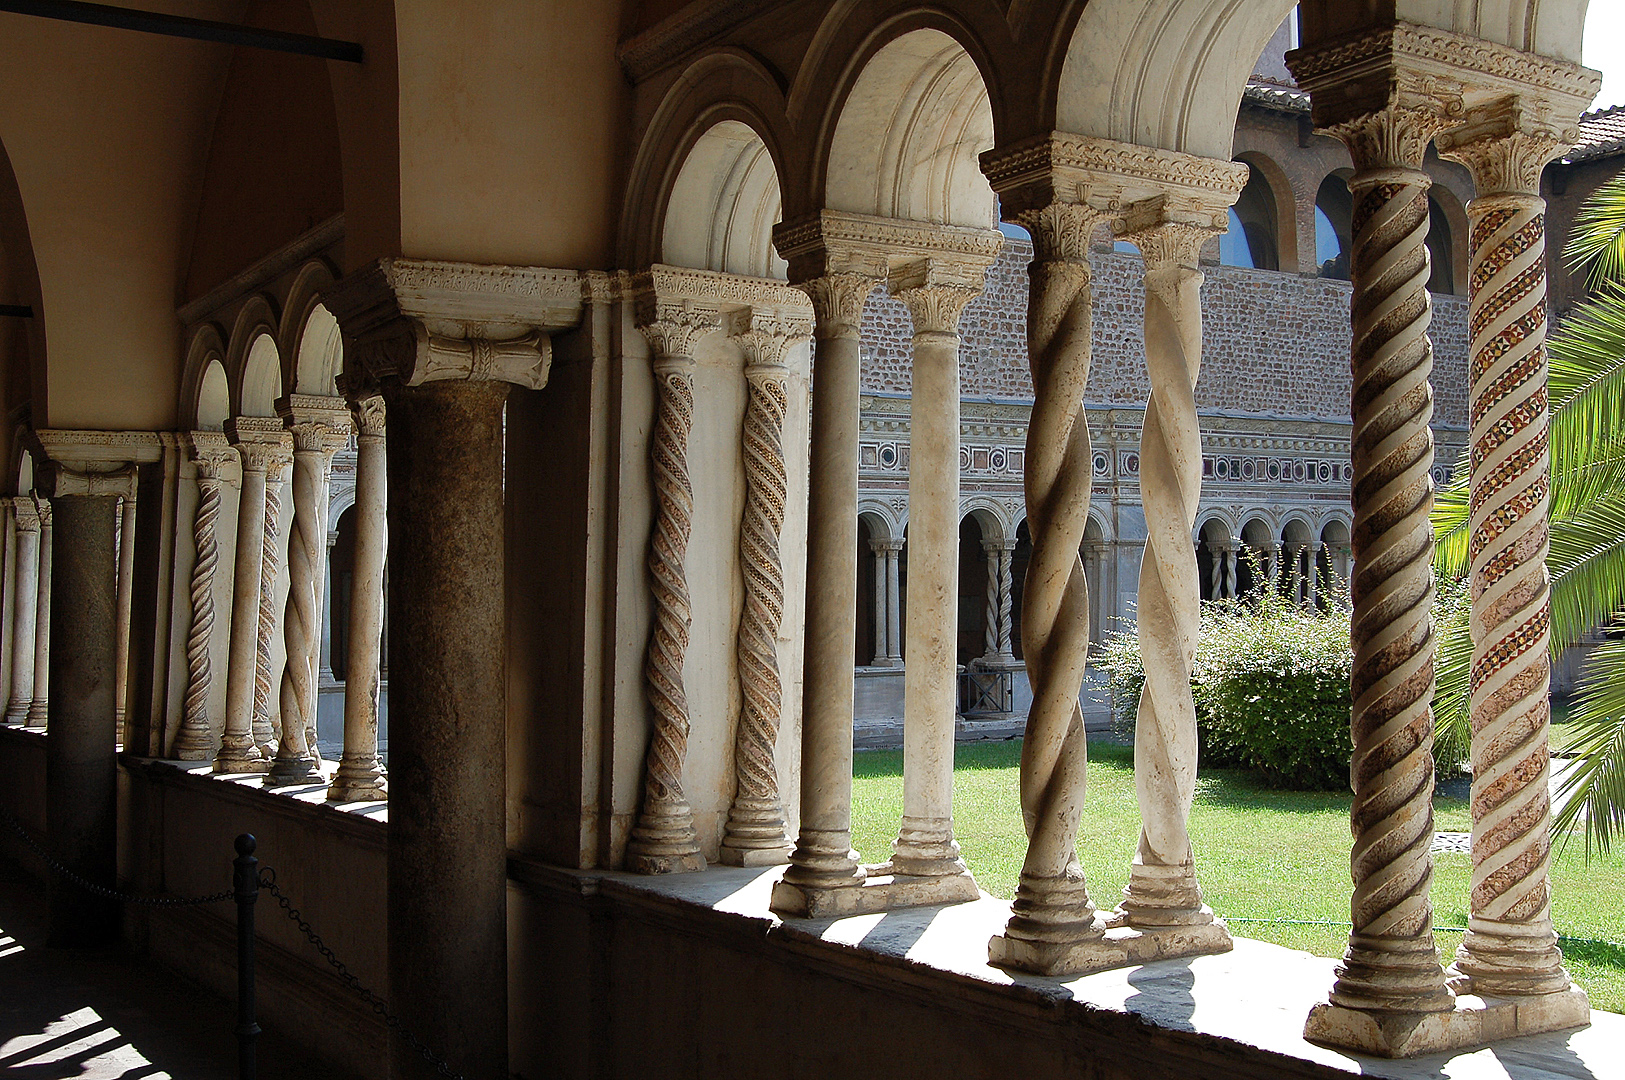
105 1015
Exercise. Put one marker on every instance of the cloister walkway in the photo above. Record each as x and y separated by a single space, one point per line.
100 1016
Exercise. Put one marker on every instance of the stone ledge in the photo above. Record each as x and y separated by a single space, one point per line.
1237 1014
364 821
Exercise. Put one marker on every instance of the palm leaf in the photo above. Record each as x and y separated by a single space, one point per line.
1587 565
1587 377
1452 729
1597 243
1595 785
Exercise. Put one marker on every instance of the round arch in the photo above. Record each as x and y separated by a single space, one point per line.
255 328
1214 516
990 516
891 524
205 351
723 205
261 379
309 335
1448 234
1297 529
1269 195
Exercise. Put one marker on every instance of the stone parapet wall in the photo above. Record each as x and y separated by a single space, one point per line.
1274 345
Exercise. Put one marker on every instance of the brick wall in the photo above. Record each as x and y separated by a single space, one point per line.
1274 344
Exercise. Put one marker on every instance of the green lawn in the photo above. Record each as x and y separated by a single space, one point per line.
1265 855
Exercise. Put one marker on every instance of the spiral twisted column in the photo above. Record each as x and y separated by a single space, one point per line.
663 840
194 741
997 602
360 776
1391 964
1052 906
1007 549
755 831
267 723
39 707
317 433
1510 948
935 292
1162 888
823 858
25 610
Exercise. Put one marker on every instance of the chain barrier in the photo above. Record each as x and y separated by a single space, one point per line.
268 883
101 890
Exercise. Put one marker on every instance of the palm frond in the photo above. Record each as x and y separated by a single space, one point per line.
1450 523
1587 376
1587 566
1595 784
1452 728
1597 243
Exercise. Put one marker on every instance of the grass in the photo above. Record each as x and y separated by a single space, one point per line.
1260 854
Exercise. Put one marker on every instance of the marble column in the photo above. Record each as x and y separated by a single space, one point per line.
267 724
1163 895
39 705
1007 551
8 600
935 292
1232 552
25 609
1269 556
1094 562
1312 581
325 672
263 446
211 456
823 859
663 839
882 657
360 776
319 430
126 583
81 771
1510 949
1215 574
894 603
993 553
755 831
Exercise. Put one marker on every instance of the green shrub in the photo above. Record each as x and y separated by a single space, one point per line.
1271 688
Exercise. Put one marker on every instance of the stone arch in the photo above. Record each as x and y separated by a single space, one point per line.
261 378
728 85
892 521
990 516
23 370
1115 83
1268 199
204 379
1297 528
1447 236
253 342
909 133
723 205
1096 528
1334 210
309 334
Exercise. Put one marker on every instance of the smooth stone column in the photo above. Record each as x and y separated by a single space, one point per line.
882 655
318 432
195 739
1510 949
448 752
126 582
8 601
925 845
261 445
39 706
25 609
894 604
823 858
360 776
81 772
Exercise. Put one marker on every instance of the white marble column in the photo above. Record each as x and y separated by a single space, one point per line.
1269 558
998 591
126 583
1510 949
1312 581
935 292
263 445
325 672
1094 563
894 603
663 839
267 709
1232 552
39 706
754 834
211 456
1007 588
1215 574
882 657
25 609
319 430
360 776
8 599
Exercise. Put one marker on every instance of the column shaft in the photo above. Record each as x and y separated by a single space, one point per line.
239 751
8 603
993 553
882 590
25 608
194 741
126 583
447 827
267 712
894 604
81 772
823 856
39 705
360 776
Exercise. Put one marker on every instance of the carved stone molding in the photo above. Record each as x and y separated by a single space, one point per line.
1109 177
211 452
835 242
369 415
25 513
837 301
1165 238
675 307
96 450
316 423
262 441
420 321
766 335
63 481
1506 146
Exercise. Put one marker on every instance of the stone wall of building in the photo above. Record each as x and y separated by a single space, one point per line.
1275 344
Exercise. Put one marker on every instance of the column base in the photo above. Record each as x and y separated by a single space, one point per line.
358 783
1116 946
754 834
663 842
879 891
187 748
286 772
39 715
1473 1022
240 759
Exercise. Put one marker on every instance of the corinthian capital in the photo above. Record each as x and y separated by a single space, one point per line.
369 415
1506 146
317 424
765 335
415 321
674 329
211 453
25 512
1170 232
264 444
837 301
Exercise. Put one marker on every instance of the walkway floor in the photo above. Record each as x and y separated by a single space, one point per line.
69 1013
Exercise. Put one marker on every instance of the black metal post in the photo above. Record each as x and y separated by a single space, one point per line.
246 883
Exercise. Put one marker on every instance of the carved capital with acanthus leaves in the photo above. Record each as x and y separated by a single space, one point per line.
413 321
318 424
212 454
1507 145
766 334
369 414
676 306
262 441
25 513
1170 233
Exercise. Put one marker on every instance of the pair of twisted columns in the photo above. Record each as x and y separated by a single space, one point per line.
996 622
319 430
360 776
25 579
1060 188
1390 996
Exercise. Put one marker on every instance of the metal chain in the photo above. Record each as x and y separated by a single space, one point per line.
101 890
268 883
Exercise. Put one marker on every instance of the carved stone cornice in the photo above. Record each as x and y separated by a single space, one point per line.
25 513
764 335
1422 67
211 452
419 321
318 423
836 242
1506 146
263 442
100 450
676 306
1109 177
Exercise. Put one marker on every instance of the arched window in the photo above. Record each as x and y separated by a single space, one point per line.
1441 250
1334 212
1253 238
